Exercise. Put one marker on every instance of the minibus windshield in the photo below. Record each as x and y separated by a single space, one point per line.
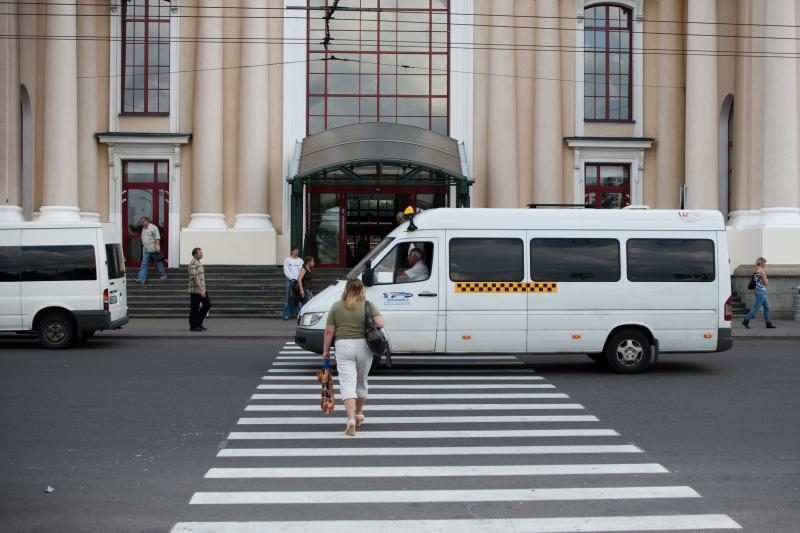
359 268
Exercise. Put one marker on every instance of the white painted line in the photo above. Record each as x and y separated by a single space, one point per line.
427 378
465 396
301 358
572 524
455 358
439 496
383 472
299 352
306 371
429 451
428 387
283 420
450 434
463 363
373 407
496 373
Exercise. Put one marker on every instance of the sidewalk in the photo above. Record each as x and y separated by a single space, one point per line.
277 328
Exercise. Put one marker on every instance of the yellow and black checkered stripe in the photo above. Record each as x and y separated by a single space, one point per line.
507 286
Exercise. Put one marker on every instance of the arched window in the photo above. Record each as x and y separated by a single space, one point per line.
607 63
145 56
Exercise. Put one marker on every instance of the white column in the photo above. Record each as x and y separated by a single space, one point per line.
502 143
525 35
669 150
10 162
60 165
88 114
207 135
251 199
548 173
702 106
781 195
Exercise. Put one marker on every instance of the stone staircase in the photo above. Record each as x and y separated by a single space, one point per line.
235 291
739 309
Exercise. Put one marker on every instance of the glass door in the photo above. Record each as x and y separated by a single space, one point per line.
608 186
145 193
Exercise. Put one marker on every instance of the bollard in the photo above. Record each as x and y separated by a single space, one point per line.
796 305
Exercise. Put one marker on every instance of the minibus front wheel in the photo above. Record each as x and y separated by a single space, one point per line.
629 352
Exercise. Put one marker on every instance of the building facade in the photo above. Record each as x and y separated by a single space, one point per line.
246 126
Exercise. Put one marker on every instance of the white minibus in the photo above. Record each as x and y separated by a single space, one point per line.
61 281
619 285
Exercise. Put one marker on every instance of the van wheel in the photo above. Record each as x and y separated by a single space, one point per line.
376 365
629 352
56 331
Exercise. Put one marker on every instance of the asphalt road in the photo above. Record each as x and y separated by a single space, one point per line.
125 431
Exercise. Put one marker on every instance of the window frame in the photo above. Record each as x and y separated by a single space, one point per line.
395 250
599 189
607 30
147 20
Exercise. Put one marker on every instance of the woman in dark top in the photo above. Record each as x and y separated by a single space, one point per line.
305 280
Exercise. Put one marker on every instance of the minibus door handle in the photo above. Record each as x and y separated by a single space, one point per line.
427 294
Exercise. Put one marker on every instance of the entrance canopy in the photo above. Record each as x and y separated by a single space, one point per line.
379 154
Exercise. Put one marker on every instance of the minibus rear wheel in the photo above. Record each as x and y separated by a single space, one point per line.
56 331
629 352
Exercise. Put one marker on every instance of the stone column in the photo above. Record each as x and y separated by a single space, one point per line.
702 106
88 114
502 141
525 35
251 199
60 153
669 151
781 194
548 173
10 161
207 137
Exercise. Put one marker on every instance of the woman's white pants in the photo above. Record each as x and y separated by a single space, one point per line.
353 360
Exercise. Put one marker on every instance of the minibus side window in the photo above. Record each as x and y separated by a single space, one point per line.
58 263
396 266
575 260
9 264
479 259
671 260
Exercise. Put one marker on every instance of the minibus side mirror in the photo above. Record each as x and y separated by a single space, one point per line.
368 277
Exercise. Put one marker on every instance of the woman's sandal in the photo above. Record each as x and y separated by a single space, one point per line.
350 430
360 420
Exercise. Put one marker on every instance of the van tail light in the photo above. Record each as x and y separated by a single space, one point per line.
729 309
105 300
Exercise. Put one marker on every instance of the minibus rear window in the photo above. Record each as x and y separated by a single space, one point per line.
575 260
58 263
116 261
487 259
9 264
671 260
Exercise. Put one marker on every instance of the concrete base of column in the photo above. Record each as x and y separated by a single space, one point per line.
744 218
780 217
207 221
252 247
11 214
253 221
59 213
88 216
777 245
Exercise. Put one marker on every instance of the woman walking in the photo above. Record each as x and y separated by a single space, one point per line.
305 281
761 282
346 321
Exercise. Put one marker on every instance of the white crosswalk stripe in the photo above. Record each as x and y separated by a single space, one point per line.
441 432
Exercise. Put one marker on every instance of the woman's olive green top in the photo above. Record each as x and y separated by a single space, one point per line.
349 323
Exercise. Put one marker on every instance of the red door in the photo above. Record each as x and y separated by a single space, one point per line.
145 193
608 186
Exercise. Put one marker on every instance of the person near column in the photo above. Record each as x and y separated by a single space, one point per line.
151 251
305 281
347 323
291 269
199 301
760 283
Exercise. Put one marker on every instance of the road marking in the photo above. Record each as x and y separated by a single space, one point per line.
572 524
438 363
463 396
429 450
300 352
425 378
465 434
410 371
440 496
372 407
383 472
424 387
282 420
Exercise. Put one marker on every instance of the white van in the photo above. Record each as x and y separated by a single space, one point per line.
618 285
61 281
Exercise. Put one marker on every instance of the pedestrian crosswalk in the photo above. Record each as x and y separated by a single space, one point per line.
450 444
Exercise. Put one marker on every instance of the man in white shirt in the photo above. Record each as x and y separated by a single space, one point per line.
151 246
417 269
291 269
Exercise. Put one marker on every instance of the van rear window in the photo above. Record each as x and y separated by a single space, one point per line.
575 260
116 261
671 260
487 259
58 263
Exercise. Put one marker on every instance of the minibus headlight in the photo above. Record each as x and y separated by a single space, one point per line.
309 319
